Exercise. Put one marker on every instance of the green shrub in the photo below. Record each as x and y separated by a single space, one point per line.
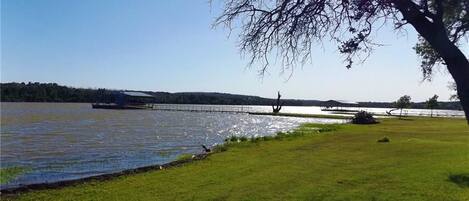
281 134
364 117
384 139
234 138
462 180
256 139
266 138
219 148
243 139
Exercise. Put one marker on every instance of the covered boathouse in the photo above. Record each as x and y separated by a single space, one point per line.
127 100
339 106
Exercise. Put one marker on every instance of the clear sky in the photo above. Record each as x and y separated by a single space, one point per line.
170 46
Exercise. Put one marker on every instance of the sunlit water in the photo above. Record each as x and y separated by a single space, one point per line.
62 141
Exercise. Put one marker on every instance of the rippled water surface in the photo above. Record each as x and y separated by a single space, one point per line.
61 141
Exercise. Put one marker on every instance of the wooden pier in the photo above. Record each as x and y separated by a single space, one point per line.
202 108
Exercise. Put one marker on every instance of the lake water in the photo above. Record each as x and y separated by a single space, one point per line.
62 141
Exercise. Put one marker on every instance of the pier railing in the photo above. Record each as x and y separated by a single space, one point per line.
203 108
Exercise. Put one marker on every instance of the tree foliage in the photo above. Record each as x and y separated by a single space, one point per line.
455 19
289 28
403 102
452 87
45 92
432 103
52 92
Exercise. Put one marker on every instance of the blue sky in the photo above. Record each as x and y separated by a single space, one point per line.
170 46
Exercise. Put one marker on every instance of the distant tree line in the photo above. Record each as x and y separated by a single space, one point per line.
448 105
44 92
52 92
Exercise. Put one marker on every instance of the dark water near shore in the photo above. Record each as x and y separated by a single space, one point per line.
62 141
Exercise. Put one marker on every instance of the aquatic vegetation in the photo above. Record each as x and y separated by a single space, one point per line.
183 157
326 116
9 173
305 128
164 153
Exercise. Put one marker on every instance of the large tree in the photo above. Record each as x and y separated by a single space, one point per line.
289 28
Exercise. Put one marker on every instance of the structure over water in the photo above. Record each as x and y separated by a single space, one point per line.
126 100
140 100
339 105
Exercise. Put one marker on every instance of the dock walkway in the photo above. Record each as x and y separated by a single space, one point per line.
203 108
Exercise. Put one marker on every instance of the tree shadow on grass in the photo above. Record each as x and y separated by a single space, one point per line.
462 180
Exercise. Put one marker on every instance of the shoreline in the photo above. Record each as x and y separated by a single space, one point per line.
101 177
316 159
113 175
109 176
20 188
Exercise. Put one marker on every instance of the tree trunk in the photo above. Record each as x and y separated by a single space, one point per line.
435 33
460 72
458 67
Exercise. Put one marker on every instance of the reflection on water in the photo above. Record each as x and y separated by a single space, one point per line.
59 141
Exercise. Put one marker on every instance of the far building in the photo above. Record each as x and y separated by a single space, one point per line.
128 100
338 105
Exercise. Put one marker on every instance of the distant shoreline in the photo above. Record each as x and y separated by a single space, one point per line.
49 102
52 92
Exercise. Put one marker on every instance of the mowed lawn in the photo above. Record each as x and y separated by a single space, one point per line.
426 159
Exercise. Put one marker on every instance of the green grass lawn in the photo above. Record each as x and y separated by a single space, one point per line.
426 159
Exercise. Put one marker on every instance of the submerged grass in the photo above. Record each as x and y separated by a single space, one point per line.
183 157
426 159
302 115
9 173
310 128
164 153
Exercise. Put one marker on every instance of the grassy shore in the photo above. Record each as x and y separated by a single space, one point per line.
426 159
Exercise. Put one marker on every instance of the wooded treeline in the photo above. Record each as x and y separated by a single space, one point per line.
52 92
